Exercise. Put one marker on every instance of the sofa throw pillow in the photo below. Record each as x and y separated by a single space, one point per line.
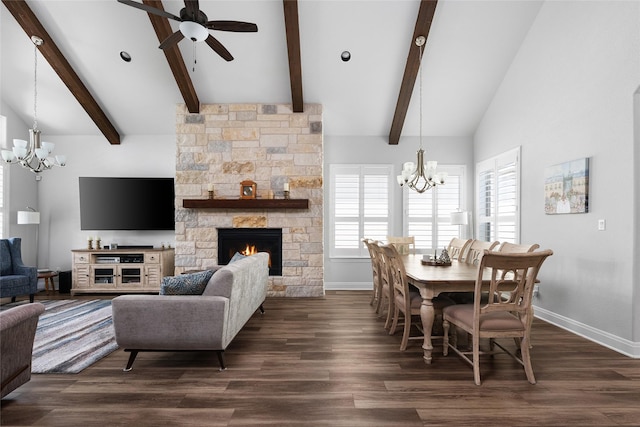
236 257
185 284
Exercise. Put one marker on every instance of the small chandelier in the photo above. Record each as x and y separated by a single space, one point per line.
419 177
34 155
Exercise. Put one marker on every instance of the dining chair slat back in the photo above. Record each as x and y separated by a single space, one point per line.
476 250
512 248
457 248
404 244
375 269
386 285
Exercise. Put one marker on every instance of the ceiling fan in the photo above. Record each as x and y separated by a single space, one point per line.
194 25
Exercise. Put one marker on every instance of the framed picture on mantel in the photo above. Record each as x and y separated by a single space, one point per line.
566 187
248 190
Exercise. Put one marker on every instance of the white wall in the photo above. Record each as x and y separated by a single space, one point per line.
136 156
356 273
570 94
23 191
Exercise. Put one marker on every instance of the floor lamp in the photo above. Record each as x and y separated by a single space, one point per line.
29 217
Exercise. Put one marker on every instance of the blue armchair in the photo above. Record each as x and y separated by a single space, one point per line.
16 278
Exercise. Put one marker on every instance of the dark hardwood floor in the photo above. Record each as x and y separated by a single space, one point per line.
328 361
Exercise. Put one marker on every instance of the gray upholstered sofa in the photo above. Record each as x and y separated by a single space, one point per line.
16 278
17 331
193 322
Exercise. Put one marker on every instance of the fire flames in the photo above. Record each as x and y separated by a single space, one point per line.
251 250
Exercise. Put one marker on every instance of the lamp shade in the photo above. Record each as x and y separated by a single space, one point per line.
193 31
28 217
459 218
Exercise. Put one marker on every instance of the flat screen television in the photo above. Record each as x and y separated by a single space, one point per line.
108 203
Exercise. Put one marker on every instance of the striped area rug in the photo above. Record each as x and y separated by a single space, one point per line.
72 335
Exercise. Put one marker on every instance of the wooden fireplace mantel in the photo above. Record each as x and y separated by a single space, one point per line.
245 203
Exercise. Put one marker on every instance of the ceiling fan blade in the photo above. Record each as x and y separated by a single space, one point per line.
193 9
150 9
171 40
237 26
217 46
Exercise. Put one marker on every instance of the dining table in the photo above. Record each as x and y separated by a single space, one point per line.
432 280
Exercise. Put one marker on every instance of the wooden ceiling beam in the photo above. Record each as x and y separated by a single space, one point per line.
293 47
423 25
33 27
163 30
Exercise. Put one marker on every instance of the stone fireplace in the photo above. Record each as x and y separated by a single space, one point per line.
266 143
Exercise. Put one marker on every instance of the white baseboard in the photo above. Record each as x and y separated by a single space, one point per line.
621 345
348 286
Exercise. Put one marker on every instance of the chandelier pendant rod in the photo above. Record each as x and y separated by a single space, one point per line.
420 173
36 42
420 42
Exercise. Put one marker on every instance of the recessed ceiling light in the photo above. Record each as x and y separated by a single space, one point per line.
125 56
345 56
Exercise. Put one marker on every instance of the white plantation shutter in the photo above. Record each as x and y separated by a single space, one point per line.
419 217
507 198
376 202
498 203
449 200
427 215
485 208
360 196
346 209
3 172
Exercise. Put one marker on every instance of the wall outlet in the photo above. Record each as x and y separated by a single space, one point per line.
602 225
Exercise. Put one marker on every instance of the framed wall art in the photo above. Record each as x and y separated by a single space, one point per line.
566 187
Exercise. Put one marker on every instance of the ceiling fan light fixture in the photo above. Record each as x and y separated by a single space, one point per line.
194 31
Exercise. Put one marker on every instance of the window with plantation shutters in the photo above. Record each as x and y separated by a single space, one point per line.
427 215
360 207
3 172
498 198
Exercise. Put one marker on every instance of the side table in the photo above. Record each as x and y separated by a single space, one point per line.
48 275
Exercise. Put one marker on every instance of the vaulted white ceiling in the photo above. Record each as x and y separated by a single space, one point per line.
468 51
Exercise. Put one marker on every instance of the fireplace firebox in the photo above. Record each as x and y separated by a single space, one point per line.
247 241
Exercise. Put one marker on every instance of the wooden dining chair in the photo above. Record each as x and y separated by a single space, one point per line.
513 248
407 301
405 244
473 256
386 286
496 318
375 269
458 247
476 249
